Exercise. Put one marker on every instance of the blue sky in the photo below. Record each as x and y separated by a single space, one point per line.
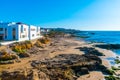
75 14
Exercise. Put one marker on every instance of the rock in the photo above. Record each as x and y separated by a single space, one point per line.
12 76
73 64
43 76
20 75
18 60
22 55
90 50
7 62
84 70
35 75
108 46
60 67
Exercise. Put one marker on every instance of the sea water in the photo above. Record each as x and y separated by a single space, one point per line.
109 37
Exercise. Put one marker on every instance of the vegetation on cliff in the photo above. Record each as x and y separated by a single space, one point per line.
4 56
20 50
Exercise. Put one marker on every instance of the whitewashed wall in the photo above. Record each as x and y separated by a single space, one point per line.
24 34
23 31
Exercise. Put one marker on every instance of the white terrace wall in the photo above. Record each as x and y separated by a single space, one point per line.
32 32
23 32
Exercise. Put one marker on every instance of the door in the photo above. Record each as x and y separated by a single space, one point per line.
14 34
1 37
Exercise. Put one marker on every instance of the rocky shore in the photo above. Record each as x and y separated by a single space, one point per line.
57 59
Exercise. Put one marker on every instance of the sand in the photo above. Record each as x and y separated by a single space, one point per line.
62 46
94 75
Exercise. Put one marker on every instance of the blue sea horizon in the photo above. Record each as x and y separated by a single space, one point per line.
108 37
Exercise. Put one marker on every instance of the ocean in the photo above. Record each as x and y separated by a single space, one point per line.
109 37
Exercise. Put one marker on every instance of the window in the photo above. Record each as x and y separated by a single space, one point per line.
1 29
13 32
20 36
5 32
21 28
6 36
13 29
23 36
24 29
37 29
32 29
38 34
13 37
32 35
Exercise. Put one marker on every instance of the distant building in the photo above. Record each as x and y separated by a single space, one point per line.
18 31
44 30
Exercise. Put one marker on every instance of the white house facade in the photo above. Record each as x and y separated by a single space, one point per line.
34 32
18 31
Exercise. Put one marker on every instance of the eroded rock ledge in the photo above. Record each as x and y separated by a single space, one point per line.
68 66
61 67
108 46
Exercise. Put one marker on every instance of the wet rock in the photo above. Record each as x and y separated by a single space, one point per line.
108 46
90 50
82 71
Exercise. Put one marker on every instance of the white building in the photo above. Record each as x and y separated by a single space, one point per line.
18 31
34 32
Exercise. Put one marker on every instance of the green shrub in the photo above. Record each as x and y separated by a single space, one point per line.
27 41
16 50
117 61
114 68
109 71
68 74
44 40
39 44
7 56
28 46
111 78
21 48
